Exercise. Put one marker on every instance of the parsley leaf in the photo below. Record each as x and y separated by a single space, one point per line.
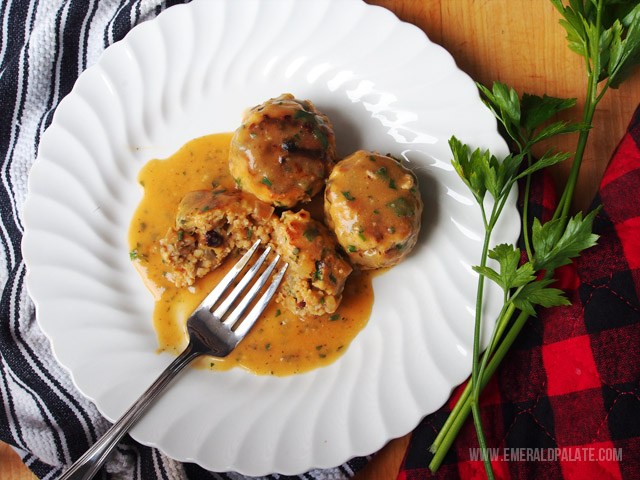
505 105
606 34
348 196
555 246
510 275
537 110
401 207
482 171
538 293
524 118
469 167
548 159
310 233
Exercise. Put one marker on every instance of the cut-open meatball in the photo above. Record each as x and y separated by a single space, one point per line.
315 279
283 151
208 227
373 205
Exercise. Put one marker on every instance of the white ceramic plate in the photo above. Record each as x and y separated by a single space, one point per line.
191 72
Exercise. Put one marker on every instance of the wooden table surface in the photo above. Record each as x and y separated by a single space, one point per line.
521 44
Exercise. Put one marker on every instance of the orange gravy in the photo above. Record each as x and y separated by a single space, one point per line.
280 343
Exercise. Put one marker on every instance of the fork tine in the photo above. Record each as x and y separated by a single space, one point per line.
242 284
257 310
217 292
233 317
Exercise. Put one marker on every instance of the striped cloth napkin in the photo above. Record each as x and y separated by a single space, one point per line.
44 46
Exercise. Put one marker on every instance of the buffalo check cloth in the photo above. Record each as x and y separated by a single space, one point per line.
44 46
565 402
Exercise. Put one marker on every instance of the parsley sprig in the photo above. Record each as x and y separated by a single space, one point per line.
607 35
554 244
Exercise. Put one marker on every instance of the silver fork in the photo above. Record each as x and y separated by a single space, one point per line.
208 333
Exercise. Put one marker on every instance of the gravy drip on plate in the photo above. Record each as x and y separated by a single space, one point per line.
280 343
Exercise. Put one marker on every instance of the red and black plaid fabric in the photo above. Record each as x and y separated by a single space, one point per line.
565 403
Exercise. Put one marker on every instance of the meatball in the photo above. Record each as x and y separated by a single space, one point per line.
317 273
373 205
283 151
209 226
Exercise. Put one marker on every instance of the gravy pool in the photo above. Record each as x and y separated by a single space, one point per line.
280 343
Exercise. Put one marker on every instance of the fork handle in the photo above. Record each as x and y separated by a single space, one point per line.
90 462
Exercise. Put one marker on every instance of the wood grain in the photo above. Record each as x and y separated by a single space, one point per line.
11 467
521 44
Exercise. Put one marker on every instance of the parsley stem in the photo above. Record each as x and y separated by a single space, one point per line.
477 366
453 423
478 385
461 410
501 325
525 212
475 370
463 406
475 409
504 346
562 210
450 422
480 292
591 101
